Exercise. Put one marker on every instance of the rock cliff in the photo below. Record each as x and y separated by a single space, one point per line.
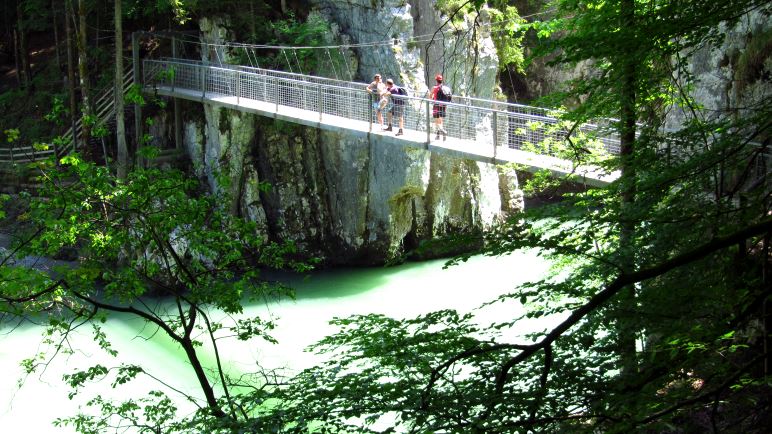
732 76
353 200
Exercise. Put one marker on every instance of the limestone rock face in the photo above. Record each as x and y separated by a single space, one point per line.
734 76
355 200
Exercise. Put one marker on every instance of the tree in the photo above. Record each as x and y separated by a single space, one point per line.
152 234
120 128
659 286
660 279
82 45
68 16
25 73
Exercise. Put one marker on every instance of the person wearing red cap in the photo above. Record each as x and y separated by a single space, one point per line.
439 93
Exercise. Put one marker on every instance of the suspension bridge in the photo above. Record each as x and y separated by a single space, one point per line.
477 129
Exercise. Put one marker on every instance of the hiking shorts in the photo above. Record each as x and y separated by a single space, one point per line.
438 111
379 104
398 110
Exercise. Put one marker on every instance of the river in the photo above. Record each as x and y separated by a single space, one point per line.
401 291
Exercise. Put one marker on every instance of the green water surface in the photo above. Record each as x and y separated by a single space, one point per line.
401 291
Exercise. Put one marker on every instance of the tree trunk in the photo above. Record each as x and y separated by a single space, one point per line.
252 24
627 65
86 120
120 128
56 37
26 73
16 56
7 23
68 15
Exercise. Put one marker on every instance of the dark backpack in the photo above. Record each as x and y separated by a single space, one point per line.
444 93
401 91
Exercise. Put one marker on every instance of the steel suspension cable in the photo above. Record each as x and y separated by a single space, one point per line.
254 54
348 67
294 52
287 59
249 58
333 65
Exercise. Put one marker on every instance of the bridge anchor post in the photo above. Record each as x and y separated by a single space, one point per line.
495 133
238 87
177 113
370 112
428 124
320 102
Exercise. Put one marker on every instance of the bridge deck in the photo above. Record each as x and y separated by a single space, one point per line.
460 148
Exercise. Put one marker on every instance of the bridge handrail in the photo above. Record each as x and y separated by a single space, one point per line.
359 87
465 100
352 101
104 108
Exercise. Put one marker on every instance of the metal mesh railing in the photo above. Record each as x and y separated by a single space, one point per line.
104 109
481 123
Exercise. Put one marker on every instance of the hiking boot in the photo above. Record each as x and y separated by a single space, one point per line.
399 133
388 129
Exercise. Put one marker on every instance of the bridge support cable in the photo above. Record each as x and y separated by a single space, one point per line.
333 65
295 54
478 129
249 58
247 50
217 55
345 59
287 59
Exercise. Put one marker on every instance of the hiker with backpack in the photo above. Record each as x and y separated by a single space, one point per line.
398 95
442 94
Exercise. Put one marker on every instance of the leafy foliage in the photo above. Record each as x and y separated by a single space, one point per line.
675 254
669 255
153 234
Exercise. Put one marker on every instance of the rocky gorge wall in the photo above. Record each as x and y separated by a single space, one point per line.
736 75
354 200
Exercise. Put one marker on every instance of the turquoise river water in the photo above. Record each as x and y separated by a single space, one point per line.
401 291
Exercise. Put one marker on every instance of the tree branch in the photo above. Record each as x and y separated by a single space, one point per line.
622 281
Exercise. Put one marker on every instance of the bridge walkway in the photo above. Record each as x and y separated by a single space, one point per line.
480 130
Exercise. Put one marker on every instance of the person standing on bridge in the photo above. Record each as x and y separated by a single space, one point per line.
379 98
397 105
442 94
